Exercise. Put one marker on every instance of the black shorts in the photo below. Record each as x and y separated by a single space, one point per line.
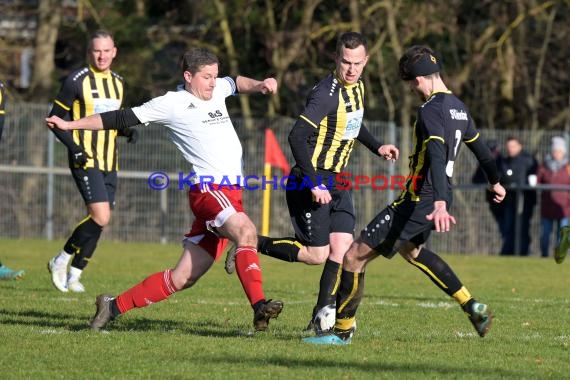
399 222
313 222
95 185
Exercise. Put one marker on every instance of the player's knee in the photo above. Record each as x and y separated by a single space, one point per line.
247 236
102 221
101 218
357 256
354 261
337 255
408 251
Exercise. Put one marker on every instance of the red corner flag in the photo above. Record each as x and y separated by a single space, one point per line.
273 154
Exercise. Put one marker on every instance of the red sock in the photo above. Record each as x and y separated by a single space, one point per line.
152 289
249 273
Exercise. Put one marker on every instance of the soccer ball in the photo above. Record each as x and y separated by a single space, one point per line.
324 319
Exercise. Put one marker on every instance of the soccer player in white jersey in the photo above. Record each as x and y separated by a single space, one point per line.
200 127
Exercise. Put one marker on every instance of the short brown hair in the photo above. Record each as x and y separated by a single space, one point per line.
195 58
350 40
99 33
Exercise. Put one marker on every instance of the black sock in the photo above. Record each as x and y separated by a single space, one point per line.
115 312
438 271
328 284
81 258
349 295
285 248
84 232
258 304
467 306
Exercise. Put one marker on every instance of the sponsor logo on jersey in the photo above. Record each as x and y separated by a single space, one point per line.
191 106
458 114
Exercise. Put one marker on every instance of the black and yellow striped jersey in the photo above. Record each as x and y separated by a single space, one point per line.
445 118
86 92
336 111
2 107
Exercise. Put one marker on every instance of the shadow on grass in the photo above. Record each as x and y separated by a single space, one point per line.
76 323
205 328
380 367
42 319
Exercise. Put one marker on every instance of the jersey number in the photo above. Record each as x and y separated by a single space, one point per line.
450 163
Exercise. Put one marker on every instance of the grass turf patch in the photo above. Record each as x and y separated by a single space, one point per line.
407 328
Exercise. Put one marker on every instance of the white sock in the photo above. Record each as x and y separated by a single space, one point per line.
74 274
63 258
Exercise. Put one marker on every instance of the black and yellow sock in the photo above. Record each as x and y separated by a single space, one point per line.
329 283
286 248
443 276
438 271
86 230
465 299
348 298
81 258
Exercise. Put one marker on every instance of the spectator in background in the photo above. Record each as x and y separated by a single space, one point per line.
555 204
497 209
516 168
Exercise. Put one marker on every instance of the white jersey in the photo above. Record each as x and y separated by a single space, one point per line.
201 130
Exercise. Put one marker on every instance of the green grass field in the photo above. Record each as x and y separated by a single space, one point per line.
407 328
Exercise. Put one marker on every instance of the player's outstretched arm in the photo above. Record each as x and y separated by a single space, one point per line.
120 120
247 85
92 122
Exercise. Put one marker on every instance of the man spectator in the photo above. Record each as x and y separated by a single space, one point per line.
516 168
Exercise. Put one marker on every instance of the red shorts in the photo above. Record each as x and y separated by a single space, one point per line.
212 206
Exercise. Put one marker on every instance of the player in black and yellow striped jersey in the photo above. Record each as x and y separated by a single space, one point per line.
443 124
322 141
93 156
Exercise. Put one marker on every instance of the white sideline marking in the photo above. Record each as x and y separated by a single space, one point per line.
385 303
532 336
51 331
436 305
